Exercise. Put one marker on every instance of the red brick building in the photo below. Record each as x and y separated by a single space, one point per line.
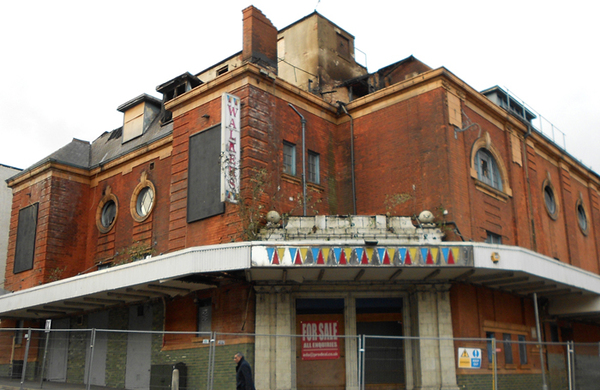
164 220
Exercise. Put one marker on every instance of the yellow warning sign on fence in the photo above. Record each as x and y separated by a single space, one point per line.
469 358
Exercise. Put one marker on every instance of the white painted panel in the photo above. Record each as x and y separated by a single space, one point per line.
98 320
58 347
137 375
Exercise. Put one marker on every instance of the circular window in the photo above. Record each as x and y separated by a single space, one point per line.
582 217
107 211
145 201
142 199
550 200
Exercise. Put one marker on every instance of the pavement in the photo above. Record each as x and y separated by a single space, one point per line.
15 384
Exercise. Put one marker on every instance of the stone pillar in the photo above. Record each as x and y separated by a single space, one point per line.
283 346
273 354
434 362
351 345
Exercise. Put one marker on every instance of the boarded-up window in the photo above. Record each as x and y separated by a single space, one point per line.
204 175
454 110
26 238
204 315
343 46
516 149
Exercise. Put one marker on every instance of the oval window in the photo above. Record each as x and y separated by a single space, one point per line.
109 212
582 218
550 201
145 201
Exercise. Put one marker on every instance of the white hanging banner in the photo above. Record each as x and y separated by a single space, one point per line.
230 148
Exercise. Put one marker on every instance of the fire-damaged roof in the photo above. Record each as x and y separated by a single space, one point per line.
107 147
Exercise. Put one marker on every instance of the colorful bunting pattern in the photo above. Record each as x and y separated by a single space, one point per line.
363 256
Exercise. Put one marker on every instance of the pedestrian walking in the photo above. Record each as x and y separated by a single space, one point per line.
243 374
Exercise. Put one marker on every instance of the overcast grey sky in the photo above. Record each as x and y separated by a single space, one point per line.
67 65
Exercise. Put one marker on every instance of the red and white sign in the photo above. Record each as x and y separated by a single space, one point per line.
319 340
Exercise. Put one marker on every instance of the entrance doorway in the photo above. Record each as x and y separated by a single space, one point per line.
384 357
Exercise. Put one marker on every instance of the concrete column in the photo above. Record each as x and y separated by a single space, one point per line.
273 354
434 364
262 344
352 355
283 350
446 347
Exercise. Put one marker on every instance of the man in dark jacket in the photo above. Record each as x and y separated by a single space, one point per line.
243 373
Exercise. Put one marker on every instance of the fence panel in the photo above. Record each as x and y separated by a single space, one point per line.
146 359
226 345
586 362
384 362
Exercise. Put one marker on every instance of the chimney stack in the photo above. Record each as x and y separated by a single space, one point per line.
260 39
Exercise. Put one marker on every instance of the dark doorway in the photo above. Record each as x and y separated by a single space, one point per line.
384 357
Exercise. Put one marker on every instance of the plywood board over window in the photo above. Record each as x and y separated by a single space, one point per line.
515 143
454 111
26 230
204 175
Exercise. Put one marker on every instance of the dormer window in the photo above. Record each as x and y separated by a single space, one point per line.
138 114
174 88
222 70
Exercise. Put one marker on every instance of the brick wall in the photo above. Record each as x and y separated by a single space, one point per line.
60 245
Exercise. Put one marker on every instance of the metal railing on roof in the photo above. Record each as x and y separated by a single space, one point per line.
542 124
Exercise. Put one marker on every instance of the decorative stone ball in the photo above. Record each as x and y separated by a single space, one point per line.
273 217
426 216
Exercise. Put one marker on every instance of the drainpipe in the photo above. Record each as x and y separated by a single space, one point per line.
303 121
539 337
528 185
343 106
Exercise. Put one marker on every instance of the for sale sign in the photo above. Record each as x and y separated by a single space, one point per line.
319 340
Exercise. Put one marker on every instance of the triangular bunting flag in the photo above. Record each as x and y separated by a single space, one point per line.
342 259
408 258
359 252
281 253
411 255
383 256
434 255
367 255
402 255
325 255
275 258
445 252
456 255
298 257
303 255
450 258
337 252
320 257
293 254
315 254
390 253
424 256
270 252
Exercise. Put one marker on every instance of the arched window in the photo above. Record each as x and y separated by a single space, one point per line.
487 169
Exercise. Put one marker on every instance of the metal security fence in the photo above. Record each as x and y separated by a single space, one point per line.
118 359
